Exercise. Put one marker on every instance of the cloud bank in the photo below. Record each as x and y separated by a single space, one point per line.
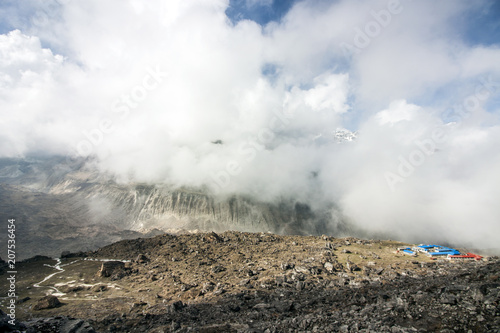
175 92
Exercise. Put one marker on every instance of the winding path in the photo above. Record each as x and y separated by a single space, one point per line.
60 269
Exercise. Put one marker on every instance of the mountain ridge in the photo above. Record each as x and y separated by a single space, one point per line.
63 204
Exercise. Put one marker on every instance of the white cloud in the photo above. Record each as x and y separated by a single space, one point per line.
398 111
24 61
211 87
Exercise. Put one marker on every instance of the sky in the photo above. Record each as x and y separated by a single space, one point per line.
246 97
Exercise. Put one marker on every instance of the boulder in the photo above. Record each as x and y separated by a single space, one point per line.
329 267
212 237
109 268
217 269
47 302
141 259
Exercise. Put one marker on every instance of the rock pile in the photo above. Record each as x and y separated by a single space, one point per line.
244 282
462 299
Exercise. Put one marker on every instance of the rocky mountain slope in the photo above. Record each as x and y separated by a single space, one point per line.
256 282
61 204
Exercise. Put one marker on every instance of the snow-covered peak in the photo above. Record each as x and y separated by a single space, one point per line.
342 135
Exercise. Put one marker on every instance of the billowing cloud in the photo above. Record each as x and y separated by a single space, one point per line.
175 92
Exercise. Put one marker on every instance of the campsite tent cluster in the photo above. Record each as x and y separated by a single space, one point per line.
434 251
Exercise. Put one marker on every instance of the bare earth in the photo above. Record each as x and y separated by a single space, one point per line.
258 282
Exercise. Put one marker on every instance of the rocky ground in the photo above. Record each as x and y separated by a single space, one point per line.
255 282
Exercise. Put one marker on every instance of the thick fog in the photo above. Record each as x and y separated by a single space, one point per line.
175 92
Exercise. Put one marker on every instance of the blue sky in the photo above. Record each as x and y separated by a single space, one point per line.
261 12
15 15
482 26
